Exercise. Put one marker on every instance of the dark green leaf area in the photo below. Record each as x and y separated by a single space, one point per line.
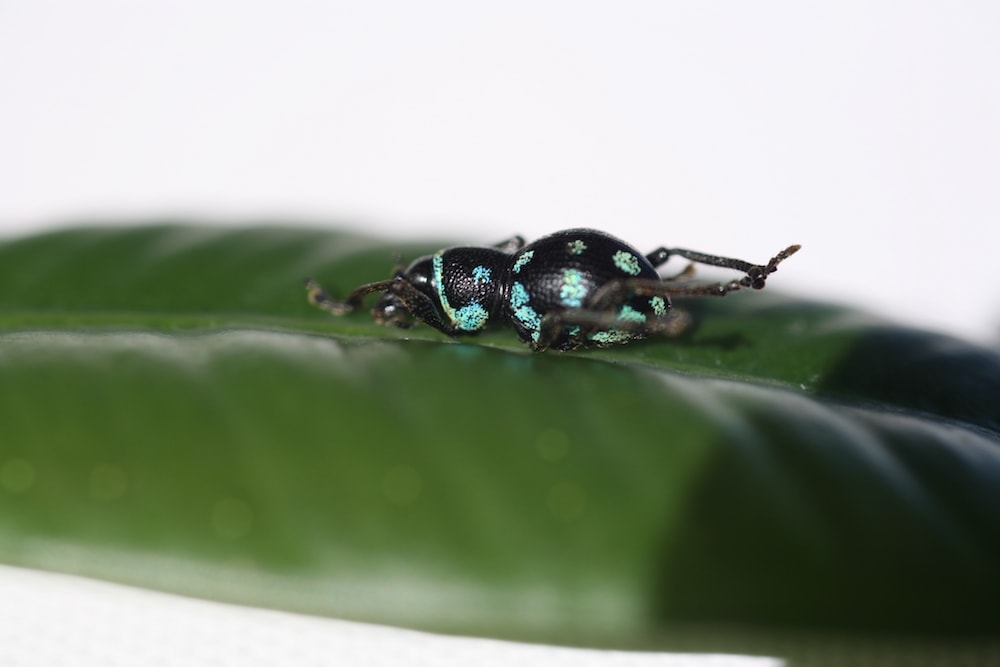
829 514
833 352
922 371
462 488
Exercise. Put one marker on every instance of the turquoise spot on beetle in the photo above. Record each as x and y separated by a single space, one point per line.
576 247
522 260
659 306
631 314
481 275
610 336
573 288
627 262
471 318
518 296
438 265
524 313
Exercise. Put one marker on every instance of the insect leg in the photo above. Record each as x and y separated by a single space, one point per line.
320 298
756 274
513 244
420 306
671 323
688 271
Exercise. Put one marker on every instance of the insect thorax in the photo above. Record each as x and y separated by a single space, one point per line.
468 283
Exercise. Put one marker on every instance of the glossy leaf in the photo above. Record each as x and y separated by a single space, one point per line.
174 414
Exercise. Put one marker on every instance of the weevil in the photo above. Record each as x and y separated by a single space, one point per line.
571 289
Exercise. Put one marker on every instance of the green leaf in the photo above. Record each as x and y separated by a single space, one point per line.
173 414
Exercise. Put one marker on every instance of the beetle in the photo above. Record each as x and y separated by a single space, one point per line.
571 289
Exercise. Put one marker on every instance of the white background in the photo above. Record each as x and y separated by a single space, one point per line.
52 620
866 131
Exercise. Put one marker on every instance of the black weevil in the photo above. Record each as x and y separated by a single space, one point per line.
575 288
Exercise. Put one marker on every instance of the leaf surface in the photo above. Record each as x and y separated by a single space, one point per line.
174 414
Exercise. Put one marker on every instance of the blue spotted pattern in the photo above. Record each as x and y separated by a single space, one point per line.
522 260
610 336
438 264
627 262
524 313
481 275
573 288
631 314
576 247
471 317
659 306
